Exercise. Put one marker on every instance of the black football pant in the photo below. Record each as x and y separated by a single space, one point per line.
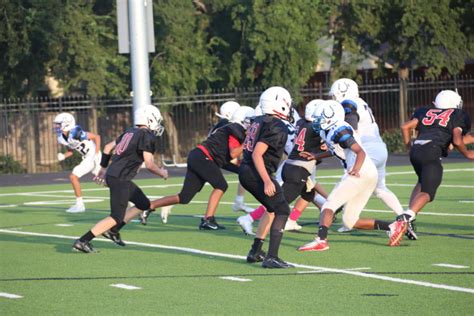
426 160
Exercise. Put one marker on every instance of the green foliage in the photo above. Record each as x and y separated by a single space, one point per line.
394 141
8 165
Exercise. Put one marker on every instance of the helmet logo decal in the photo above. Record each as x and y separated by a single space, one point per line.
328 116
342 90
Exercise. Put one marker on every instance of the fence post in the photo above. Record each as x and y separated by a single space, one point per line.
30 143
403 84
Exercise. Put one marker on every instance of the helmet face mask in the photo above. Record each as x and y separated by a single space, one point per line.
344 88
327 114
448 99
150 117
64 122
276 101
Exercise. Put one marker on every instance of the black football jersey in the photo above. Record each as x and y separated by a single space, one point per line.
271 131
218 142
128 155
306 140
437 125
222 122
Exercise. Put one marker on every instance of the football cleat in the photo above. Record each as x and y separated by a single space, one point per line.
83 246
212 220
292 225
316 245
165 212
115 237
411 230
210 224
77 208
397 230
275 263
241 207
255 256
344 229
144 216
245 222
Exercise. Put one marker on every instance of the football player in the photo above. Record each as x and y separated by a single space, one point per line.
437 128
204 165
132 148
359 115
263 150
356 185
87 144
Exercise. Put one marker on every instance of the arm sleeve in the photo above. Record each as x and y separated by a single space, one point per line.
344 137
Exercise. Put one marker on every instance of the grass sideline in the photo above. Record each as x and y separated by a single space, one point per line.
179 269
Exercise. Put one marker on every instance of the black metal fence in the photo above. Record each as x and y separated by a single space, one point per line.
26 125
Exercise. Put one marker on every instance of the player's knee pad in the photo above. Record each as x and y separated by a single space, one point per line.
143 205
308 196
185 197
221 185
282 209
117 218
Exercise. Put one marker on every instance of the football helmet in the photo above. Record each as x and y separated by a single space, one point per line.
448 99
309 109
64 122
344 88
243 116
326 114
227 109
150 116
258 110
276 101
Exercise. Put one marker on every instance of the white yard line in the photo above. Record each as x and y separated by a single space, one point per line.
8 295
448 265
237 257
230 278
126 286
8 205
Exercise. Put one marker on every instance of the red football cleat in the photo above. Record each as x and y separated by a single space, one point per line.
397 230
316 245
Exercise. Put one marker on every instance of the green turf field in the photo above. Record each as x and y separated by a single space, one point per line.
178 269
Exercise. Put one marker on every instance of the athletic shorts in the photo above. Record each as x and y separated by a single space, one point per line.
121 192
89 163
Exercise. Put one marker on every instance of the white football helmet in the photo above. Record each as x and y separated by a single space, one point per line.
227 109
326 114
258 110
309 109
243 116
276 101
150 116
344 88
448 99
64 122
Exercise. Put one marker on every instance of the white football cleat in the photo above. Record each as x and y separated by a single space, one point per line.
245 222
344 229
165 212
76 208
292 225
241 207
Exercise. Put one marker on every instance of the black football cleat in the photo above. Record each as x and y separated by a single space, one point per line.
275 263
115 237
212 219
255 256
206 224
83 246
144 216
411 230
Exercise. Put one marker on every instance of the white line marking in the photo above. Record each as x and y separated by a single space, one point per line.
356 269
64 225
467 201
60 202
235 279
224 255
447 265
8 295
126 286
312 271
8 205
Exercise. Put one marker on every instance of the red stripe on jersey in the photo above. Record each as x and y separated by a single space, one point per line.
205 151
233 142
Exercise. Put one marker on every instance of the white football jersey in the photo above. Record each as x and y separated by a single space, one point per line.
77 140
291 133
367 129
336 135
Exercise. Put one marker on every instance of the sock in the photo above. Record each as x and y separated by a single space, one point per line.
411 213
319 199
276 234
117 227
323 232
79 200
295 214
239 199
381 225
87 236
257 244
390 200
258 213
